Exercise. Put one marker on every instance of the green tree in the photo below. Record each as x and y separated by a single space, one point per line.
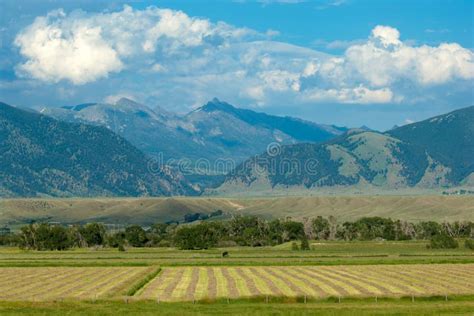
200 236
321 228
136 236
292 230
469 243
93 234
443 241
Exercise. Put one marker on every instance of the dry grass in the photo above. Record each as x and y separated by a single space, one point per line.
151 210
200 283
43 284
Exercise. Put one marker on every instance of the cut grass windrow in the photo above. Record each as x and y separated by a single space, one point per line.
143 282
212 283
315 282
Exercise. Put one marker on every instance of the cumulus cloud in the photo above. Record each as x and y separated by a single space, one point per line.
360 95
82 47
164 52
76 52
385 60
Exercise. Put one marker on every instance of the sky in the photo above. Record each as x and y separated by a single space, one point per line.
343 62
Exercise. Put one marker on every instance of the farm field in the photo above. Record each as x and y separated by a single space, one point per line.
44 284
322 253
200 283
210 283
104 281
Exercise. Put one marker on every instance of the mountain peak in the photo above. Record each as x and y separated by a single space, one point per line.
127 102
217 105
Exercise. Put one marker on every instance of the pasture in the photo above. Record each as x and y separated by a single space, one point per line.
147 211
322 253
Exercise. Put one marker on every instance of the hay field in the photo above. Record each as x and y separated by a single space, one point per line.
53 283
198 283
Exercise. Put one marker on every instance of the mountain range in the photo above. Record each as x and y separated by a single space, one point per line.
215 131
435 153
41 156
129 149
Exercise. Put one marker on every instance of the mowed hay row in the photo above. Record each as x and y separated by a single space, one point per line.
42 284
199 283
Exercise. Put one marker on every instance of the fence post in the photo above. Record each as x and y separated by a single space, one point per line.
446 297
376 299
339 298
305 299
413 298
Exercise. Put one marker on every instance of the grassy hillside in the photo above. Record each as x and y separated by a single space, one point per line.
447 138
145 211
40 156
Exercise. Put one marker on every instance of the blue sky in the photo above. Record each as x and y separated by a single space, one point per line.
352 63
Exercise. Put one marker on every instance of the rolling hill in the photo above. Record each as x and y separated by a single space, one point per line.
41 156
146 211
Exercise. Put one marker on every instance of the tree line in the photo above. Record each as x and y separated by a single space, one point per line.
239 231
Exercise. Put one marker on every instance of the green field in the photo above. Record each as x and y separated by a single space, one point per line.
333 278
146 211
322 253
457 306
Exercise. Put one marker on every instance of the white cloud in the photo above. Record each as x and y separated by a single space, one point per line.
386 35
385 60
77 53
280 80
158 68
82 47
165 54
360 95
255 92
310 69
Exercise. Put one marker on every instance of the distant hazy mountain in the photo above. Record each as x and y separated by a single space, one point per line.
434 153
41 156
216 130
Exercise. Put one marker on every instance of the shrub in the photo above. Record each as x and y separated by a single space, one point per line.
164 243
304 243
469 244
294 246
443 241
